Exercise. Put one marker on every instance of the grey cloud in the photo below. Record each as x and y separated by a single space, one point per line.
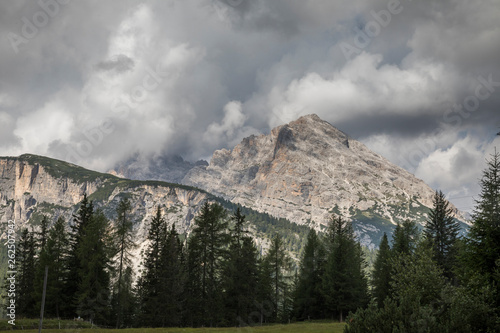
119 63
252 52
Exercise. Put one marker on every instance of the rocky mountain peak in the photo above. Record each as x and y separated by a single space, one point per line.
308 169
311 129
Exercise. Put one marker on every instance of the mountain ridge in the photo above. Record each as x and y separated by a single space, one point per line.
33 186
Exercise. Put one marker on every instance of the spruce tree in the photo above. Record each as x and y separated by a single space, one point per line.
123 238
171 279
25 262
240 274
483 241
207 253
72 279
43 234
264 293
442 230
54 256
279 264
94 256
344 281
128 298
150 303
309 300
405 238
381 277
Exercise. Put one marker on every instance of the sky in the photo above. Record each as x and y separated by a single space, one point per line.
95 82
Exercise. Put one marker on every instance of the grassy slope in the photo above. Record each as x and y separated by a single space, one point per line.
303 327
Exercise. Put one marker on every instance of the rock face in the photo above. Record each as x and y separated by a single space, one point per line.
35 186
306 170
29 189
32 186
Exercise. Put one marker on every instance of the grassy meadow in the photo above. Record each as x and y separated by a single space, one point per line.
303 327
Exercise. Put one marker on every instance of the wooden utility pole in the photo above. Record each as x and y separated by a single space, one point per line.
43 298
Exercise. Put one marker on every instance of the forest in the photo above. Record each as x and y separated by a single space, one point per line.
434 280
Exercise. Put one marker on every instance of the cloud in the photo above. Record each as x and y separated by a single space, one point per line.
231 130
458 169
119 63
364 87
100 83
38 129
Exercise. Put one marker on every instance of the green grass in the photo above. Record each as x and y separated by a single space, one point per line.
303 327
27 324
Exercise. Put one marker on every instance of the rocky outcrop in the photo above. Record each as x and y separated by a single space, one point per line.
27 190
32 186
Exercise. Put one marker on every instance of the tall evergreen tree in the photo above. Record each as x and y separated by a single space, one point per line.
25 260
483 242
309 300
405 238
279 266
72 279
207 252
128 298
53 255
264 292
124 244
442 230
240 274
172 278
94 255
150 303
43 234
381 277
344 281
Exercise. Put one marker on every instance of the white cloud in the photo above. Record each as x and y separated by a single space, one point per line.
458 169
364 86
280 58
231 129
40 128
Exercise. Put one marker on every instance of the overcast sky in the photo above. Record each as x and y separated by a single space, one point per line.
93 82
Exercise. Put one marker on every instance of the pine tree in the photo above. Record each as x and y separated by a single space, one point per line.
94 255
417 277
150 303
264 293
279 266
309 301
43 234
382 272
405 238
442 230
53 255
172 278
124 243
128 298
240 274
483 242
207 253
344 281
72 279
25 261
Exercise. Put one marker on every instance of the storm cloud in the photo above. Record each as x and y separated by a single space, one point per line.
98 82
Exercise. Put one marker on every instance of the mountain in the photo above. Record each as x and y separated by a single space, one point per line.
306 170
32 186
